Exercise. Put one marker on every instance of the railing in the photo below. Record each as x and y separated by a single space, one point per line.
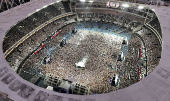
115 10
155 32
144 45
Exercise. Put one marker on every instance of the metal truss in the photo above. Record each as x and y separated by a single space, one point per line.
8 4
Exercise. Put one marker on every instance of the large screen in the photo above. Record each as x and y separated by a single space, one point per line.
112 4
108 4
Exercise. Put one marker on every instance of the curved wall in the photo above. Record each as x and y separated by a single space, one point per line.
155 87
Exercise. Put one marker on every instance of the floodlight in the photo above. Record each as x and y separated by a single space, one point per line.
58 1
82 0
125 5
140 7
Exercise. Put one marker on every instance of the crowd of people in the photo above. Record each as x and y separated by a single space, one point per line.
94 46
110 18
153 48
99 49
28 24
77 48
148 2
132 9
156 25
24 49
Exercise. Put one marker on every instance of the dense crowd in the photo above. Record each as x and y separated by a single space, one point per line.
156 25
110 18
24 49
132 9
100 50
99 53
149 2
28 24
153 48
93 46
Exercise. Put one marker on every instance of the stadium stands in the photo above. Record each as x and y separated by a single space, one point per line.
99 37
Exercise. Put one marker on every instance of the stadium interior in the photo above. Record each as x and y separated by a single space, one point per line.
85 47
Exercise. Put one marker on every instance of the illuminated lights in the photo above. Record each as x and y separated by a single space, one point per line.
37 10
140 7
58 1
125 5
45 6
91 1
83 0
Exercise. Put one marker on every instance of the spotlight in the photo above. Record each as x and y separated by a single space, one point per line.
58 1
125 5
82 0
140 7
